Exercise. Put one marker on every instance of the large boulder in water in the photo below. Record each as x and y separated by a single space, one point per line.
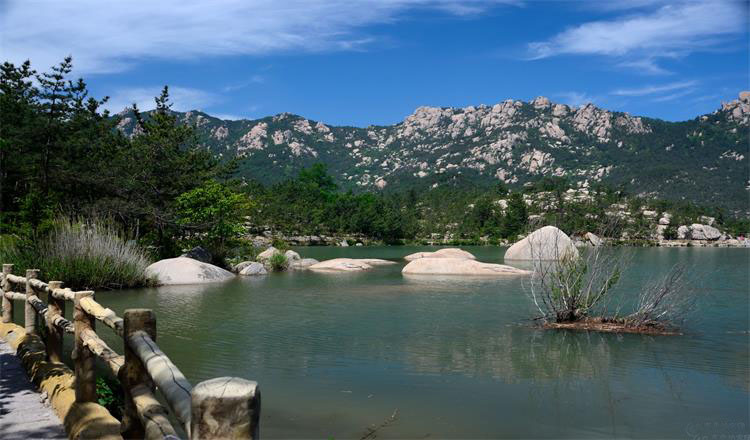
441 253
183 270
291 255
267 254
375 261
458 266
341 265
254 269
547 243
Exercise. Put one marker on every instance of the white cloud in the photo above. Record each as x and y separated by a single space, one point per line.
182 98
652 90
670 30
254 79
575 99
673 96
647 66
111 36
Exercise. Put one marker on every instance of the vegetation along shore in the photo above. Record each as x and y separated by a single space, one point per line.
83 190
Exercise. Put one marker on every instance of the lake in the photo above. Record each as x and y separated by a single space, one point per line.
456 357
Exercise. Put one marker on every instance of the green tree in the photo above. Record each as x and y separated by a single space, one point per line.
516 216
211 215
162 162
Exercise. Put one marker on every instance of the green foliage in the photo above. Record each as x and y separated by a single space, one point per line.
516 217
279 244
670 232
59 153
212 216
278 262
109 394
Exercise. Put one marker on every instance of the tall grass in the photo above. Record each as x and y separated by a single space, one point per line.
90 254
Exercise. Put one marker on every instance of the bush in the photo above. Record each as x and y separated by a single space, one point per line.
87 254
571 288
278 262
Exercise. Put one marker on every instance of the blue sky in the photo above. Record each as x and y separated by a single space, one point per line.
374 61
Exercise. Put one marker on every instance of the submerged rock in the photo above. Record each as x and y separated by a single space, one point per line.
458 266
303 263
547 243
441 253
183 270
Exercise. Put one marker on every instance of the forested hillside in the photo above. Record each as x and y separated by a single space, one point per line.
704 160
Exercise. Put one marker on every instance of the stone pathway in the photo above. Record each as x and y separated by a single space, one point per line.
23 415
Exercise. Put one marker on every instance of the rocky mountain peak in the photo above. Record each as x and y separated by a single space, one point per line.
738 110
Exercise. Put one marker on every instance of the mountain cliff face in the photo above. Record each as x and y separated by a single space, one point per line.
704 160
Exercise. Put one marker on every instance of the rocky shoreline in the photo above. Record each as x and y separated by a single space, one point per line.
263 241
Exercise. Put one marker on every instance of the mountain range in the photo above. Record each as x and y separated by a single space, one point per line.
703 160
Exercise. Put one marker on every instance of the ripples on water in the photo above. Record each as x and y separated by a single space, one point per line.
458 357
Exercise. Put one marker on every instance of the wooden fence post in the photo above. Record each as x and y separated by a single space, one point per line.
225 408
134 373
30 315
82 356
55 307
7 304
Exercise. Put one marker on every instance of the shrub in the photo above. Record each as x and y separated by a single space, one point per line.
109 395
83 254
278 262
571 288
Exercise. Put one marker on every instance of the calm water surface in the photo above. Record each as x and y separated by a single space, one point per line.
457 357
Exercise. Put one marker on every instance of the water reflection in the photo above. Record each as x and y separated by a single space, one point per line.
458 357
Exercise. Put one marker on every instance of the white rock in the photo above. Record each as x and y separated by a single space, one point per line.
665 219
291 255
254 269
237 268
267 254
707 220
547 243
183 270
683 232
593 239
458 266
341 265
344 243
376 261
704 232
441 253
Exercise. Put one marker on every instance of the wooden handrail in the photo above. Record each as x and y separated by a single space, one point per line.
204 411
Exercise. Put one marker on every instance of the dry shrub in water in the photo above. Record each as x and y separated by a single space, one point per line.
577 288
665 302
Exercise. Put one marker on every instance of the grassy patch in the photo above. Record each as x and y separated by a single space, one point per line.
82 254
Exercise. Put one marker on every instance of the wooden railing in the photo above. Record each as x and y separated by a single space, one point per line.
227 407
